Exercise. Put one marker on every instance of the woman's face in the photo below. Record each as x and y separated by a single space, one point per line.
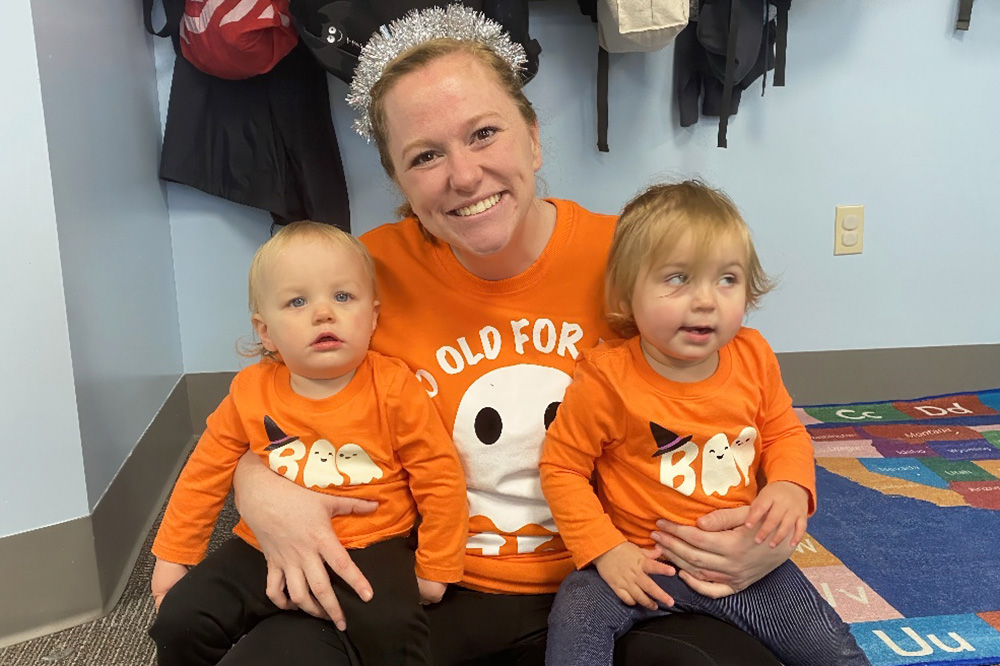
464 156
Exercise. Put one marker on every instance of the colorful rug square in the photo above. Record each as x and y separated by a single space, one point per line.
905 544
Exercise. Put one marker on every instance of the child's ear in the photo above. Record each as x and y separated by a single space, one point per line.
260 326
625 307
377 308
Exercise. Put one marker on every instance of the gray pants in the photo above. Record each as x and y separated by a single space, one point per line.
782 610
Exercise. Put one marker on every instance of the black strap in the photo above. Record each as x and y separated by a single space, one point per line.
147 17
964 15
602 100
727 85
781 42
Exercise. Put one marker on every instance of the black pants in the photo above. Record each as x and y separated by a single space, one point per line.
204 617
476 628
483 629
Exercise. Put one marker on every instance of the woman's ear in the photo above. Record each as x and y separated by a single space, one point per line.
536 147
260 327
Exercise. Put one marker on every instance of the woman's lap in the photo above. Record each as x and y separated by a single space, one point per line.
477 628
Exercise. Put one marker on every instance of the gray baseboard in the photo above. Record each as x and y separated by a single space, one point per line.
863 375
79 568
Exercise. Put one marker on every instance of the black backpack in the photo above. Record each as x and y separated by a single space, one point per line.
726 46
335 32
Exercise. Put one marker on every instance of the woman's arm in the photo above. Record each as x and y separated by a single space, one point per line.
719 556
298 550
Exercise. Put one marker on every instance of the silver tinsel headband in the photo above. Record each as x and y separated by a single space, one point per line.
419 26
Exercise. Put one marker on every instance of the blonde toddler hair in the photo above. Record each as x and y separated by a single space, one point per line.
659 218
301 230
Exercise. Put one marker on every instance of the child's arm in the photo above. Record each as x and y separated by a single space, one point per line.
165 575
201 489
784 504
437 483
585 423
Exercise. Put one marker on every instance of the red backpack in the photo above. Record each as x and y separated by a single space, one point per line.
236 39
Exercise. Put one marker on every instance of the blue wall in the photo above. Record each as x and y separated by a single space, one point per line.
41 437
90 322
885 105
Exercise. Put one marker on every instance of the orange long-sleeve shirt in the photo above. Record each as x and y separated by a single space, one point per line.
496 357
379 438
665 449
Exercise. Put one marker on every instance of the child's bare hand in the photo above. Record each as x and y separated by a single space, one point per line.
626 569
431 592
165 575
781 509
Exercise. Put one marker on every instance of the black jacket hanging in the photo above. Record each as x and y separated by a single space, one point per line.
267 141
722 51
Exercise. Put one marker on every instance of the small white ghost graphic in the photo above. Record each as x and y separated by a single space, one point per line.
321 467
356 465
287 458
718 467
743 451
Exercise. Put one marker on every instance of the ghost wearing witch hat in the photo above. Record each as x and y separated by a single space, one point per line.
284 451
676 453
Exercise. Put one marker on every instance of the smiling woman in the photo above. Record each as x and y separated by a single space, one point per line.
465 157
489 293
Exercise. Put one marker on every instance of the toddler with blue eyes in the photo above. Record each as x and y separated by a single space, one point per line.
685 415
327 413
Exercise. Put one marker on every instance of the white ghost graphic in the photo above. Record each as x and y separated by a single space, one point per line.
287 458
490 544
499 429
357 465
718 467
743 451
321 467
672 467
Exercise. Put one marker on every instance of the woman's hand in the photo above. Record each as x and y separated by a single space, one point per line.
720 555
431 591
165 576
292 525
626 568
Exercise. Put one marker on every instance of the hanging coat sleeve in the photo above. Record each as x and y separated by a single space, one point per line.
781 42
964 15
727 87
602 100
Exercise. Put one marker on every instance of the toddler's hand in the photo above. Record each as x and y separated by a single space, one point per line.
165 575
780 508
626 568
431 591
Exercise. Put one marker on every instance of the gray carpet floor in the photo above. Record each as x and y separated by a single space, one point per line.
119 638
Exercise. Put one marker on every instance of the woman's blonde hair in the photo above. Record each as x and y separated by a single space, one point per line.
421 56
302 230
656 220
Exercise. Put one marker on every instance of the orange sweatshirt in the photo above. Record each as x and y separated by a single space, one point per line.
665 449
379 439
496 358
